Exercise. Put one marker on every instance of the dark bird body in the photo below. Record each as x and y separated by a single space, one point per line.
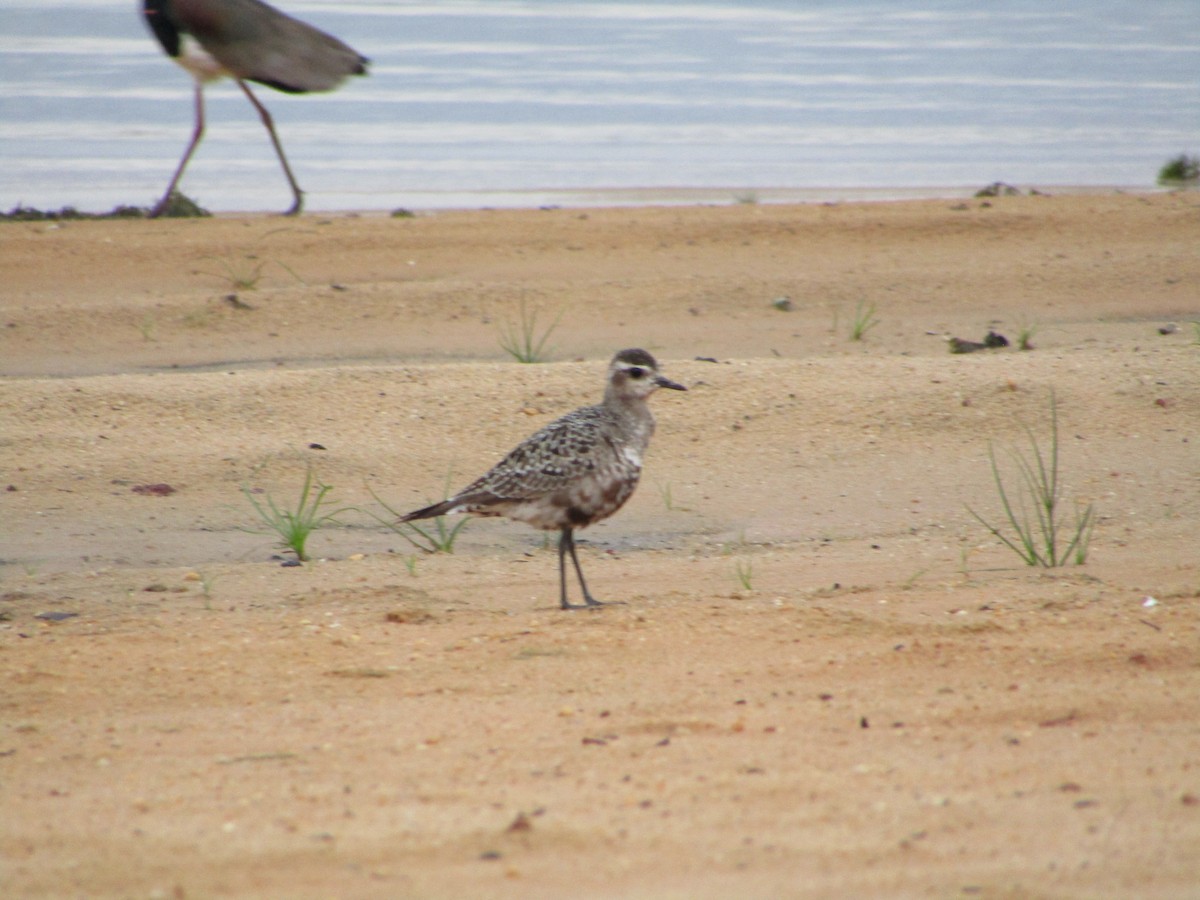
247 40
577 470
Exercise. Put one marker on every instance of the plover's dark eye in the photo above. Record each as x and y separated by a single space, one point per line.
636 372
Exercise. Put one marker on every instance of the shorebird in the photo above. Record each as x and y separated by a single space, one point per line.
247 40
577 470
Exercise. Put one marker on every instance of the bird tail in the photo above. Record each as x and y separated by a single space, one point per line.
432 512
473 501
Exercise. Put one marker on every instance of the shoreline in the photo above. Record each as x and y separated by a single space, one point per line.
429 202
636 197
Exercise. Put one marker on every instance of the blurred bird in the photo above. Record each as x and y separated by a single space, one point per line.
247 40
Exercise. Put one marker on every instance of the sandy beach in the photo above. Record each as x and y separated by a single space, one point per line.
820 675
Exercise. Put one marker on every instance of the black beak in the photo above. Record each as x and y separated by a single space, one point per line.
668 383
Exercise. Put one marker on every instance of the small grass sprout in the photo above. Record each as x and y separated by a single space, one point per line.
147 326
522 340
666 492
438 538
1041 538
207 582
1025 335
744 570
296 525
245 272
864 320
964 562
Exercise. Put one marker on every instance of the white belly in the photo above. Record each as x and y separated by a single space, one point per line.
199 61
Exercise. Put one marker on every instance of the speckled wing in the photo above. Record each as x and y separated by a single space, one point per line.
570 473
565 453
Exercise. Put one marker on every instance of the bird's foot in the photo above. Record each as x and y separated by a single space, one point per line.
592 603
297 207
588 603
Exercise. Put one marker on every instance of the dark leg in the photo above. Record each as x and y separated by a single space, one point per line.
562 569
269 123
566 544
197 134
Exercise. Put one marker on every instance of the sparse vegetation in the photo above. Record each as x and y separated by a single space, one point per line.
439 538
744 569
199 318
207 583
522 341
21 213
964 562
1025 336
181 206
731 547
665 491
1180 171
1039 538
147 327
243 273
296 525
864 320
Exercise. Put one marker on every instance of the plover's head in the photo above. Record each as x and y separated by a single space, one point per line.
633 374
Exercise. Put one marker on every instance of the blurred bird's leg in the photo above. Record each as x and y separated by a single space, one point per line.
269 124
197 134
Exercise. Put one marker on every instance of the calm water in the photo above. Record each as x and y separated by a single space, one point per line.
498 102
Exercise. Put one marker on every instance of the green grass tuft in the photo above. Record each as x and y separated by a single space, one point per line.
744 570
438 538
296 525
522 341
1041 538
1025 336
864 320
